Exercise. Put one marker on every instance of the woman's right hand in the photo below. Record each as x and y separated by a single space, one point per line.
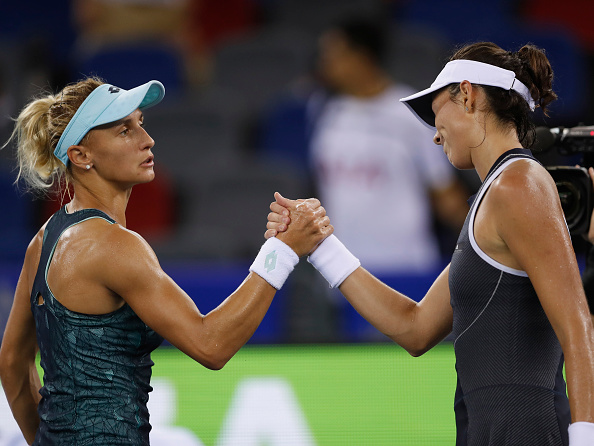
278 219
301 224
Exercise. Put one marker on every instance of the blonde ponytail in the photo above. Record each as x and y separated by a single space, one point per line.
37 131
38 168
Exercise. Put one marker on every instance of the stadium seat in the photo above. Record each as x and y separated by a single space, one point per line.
416 53
131 64
493 21
315 16
17 224
260 65
196 135
226 218
284 130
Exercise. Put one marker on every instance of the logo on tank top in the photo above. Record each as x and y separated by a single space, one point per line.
460 246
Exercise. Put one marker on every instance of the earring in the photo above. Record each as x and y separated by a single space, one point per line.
88 166
466 108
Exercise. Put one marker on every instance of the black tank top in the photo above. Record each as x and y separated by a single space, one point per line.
509 362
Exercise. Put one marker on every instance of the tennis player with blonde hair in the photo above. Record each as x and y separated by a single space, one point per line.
92 297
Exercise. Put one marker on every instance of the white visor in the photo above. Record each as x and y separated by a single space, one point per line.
460 70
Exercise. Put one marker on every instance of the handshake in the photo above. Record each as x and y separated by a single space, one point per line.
301 224
296 228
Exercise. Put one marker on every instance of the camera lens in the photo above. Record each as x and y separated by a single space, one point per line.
575 193
570 199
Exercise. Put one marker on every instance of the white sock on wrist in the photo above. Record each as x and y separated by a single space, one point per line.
581 433
274 262
334 261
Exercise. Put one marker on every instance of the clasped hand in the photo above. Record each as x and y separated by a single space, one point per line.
301 224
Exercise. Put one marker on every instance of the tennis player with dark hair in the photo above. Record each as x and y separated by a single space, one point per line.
92 297
512 294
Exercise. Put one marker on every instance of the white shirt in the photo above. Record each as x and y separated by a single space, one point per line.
374 164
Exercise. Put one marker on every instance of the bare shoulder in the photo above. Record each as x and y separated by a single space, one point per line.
35 244
524 185
33 253
525 196
109 243
30 266
128 266
119 235
97 252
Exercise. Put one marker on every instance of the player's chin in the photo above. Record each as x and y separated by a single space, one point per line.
450 158
146 177
457 162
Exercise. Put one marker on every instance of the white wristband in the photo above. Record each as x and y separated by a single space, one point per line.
581 433
274 262
334 261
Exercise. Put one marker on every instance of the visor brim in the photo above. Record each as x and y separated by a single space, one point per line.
420 105
142 97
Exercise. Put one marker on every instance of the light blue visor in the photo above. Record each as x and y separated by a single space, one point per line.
106 104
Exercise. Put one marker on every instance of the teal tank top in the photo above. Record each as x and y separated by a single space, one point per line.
97 368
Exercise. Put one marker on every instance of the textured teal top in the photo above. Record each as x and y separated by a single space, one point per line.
97 368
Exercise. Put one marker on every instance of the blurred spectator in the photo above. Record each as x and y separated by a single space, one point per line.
7 106
194 28
131 41
363 146
377 170
210 24
102 22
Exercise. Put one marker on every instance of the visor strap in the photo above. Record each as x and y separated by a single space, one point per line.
520 88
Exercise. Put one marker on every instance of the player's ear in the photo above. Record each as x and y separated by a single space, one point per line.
79 156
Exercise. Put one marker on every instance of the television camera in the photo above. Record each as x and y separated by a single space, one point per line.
573 183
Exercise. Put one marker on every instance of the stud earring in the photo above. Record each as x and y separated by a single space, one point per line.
88 166
466 108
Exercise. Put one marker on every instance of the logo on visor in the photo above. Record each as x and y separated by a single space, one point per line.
113 89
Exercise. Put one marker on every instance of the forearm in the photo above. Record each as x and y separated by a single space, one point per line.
233 322
588 280
579 369
389 311
383 307
416 327
573 325
22 392
229 326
